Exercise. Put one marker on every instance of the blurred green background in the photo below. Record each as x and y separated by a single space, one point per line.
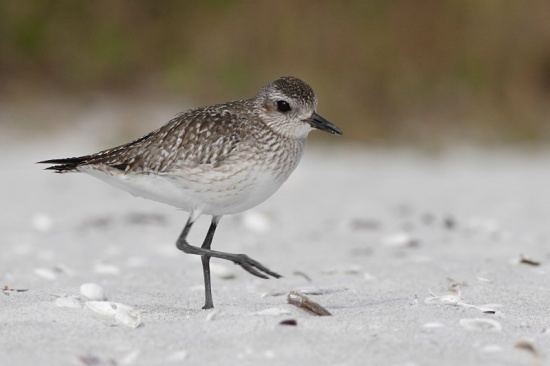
401 71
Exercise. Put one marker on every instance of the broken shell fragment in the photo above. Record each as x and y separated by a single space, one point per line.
121 313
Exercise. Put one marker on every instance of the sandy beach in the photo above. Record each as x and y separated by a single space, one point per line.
421 260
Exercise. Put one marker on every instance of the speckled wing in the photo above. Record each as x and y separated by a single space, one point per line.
203 136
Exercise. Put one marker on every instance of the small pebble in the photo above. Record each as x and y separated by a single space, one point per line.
92 291
291 322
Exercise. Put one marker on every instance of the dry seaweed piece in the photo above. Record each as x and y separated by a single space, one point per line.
525 260
302 301
6 290
291 322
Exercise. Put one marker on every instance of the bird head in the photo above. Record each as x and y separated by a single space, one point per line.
287 105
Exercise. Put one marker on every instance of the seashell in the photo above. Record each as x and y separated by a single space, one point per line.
103 308
128 316
92 291
122 313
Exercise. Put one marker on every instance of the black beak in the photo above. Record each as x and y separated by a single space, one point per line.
316 121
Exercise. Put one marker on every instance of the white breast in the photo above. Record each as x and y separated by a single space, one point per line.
209 195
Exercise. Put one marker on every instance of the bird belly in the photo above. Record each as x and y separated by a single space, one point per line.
210 193
230 195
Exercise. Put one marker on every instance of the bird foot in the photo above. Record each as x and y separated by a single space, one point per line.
254 267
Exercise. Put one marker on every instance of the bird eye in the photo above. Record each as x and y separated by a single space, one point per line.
283 106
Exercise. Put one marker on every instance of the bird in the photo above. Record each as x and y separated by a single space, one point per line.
214 160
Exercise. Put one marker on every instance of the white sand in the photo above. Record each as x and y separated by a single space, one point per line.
415 257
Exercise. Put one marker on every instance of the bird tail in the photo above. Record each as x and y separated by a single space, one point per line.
65 165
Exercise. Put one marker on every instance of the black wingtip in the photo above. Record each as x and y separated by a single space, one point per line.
77 160
61 168
64 165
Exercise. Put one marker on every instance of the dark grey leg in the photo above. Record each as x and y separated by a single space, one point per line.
247 263
208 303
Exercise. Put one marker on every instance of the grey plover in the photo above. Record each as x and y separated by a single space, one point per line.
214 160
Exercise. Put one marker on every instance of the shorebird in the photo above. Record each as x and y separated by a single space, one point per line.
215 160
